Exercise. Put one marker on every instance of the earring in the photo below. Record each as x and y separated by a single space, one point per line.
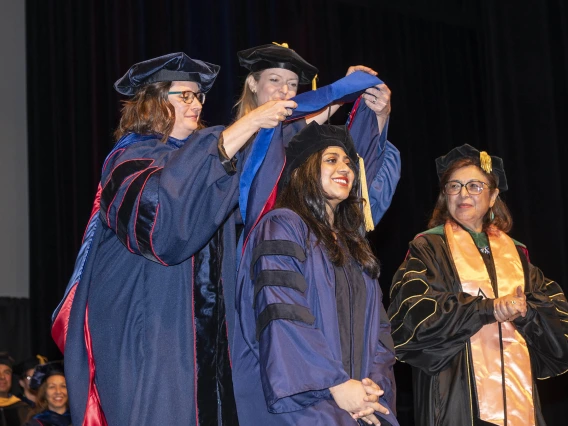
491 215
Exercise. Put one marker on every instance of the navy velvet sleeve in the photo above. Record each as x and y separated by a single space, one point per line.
382 160
165 201
296 364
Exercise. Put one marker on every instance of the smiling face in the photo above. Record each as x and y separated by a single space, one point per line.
468 209
56 394
187 115
336 175
5 380
274 84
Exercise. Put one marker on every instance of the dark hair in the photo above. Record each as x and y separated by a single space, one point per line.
502 220
148 112
305 196
41 403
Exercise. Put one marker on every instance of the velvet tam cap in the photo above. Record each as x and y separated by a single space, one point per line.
489 164
28 364
276 56
171 67
6 359
43 371
311 139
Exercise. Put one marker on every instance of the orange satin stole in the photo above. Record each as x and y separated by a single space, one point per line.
485 347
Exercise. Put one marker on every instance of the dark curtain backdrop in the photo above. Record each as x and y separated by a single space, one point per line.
490 73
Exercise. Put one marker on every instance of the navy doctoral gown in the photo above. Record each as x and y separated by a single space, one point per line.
287 348
142 324
160 264
157 276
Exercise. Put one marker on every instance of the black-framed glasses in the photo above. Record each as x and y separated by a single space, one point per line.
473 187
187 96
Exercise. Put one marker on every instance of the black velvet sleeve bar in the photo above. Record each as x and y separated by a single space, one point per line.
229 164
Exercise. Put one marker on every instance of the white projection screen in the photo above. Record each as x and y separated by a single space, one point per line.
14 234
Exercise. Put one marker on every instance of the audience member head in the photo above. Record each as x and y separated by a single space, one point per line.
6 366
49 381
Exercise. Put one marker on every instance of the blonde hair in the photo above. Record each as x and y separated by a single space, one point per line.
248 99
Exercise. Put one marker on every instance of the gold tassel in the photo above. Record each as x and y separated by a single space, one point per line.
369 225
314 84
281 45
485 161
41 359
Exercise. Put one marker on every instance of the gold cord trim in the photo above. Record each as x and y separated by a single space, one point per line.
469 381
557 294
548 377
399 281
420 323
410 297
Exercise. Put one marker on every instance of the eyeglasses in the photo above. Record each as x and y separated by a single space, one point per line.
473 187
187 96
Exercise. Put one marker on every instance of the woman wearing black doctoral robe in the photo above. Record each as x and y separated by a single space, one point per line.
478 323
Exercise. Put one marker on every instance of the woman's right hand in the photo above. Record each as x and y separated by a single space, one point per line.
511 306
271 113
265 116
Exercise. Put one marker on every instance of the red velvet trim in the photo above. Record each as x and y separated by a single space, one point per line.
194 341
353 112
152 233
128 244
94 415
526 252
61 323
138 206
126 161
113 200
121 150
267 206
95 210
134 177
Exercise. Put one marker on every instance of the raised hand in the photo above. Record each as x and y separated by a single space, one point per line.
271 113
378 99
363 68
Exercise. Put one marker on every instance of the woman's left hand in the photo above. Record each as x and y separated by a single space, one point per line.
378 99
374 392
363 68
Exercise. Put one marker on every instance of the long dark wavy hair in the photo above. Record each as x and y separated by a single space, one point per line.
502 220
149 112
305 196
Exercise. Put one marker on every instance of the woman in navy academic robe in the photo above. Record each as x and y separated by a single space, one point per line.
312 343
144 334
276 72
